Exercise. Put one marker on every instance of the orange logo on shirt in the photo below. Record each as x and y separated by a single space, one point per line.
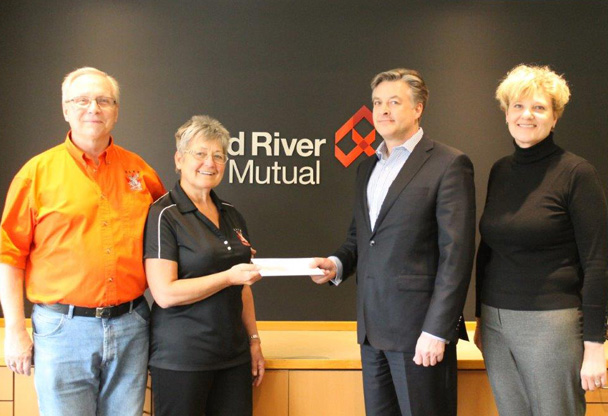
241 237
134 180
363 144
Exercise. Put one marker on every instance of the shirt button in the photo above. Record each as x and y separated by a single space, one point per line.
110 280
229 248
102 196
226 242
372 243
108 251
104 223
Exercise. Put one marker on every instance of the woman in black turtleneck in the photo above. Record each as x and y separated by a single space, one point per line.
542 286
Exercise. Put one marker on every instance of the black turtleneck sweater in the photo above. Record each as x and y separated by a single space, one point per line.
544 236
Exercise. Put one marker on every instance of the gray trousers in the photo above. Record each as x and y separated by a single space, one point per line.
534 360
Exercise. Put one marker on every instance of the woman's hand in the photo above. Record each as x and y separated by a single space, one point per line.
243 274
593 371
477 336
257 362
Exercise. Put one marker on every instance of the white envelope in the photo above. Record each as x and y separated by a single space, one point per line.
287 267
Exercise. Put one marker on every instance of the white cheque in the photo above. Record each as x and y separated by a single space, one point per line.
287 267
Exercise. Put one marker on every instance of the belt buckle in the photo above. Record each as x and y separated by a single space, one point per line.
103 312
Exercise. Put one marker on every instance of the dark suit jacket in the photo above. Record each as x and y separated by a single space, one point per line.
414 267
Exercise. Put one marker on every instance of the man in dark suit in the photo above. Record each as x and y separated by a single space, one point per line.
412 244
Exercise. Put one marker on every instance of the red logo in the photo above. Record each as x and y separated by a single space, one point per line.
363 144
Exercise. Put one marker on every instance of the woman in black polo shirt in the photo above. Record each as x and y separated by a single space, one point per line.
204 347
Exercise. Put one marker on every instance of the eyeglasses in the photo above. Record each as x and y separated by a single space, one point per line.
85 102
218 158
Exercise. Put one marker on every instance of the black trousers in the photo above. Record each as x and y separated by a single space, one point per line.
394 385
226 392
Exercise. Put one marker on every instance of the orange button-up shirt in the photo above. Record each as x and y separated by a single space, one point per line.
77 228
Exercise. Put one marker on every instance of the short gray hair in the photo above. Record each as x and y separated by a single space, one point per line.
71 77
420 93
205 127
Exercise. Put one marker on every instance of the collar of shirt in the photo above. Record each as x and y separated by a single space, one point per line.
185 204
385 172
409 145
81 156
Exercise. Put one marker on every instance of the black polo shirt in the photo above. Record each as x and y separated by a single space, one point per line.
209 334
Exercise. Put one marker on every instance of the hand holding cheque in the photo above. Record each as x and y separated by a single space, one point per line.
327 266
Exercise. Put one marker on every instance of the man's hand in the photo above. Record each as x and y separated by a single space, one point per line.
429 351
18 347
328 267
17 342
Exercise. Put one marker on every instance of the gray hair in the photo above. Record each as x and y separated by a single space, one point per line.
71 77
205 127
420 93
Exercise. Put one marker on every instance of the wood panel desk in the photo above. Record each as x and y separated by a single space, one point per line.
313 368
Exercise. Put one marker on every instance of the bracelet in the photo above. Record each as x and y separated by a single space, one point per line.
254 337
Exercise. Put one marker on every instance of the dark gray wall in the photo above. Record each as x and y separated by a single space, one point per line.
301 68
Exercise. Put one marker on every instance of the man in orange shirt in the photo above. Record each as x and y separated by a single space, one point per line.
72 232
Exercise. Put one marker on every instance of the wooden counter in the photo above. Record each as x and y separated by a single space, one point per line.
332 345
319 345
307 361
313 368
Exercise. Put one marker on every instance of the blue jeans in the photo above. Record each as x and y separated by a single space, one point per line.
90 366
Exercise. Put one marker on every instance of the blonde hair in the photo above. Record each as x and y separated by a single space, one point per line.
71 77
527 80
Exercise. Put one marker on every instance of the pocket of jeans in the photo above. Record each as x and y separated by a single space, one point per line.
47 324
142 313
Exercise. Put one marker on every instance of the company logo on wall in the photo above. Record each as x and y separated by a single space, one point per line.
261 167
363 144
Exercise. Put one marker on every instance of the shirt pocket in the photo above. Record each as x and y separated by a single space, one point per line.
135 212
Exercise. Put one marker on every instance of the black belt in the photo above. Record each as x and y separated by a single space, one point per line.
101 312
